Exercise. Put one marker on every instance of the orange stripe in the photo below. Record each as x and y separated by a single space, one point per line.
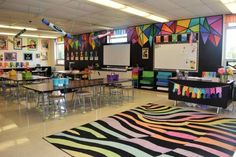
215 142
206 120
168 139
156 129
210 129
142 123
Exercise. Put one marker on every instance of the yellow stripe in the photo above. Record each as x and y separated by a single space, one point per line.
73 131
95 133
82 146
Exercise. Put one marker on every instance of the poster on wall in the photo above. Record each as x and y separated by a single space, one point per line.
44 49
81 56
67 56
91 55
28 56
44 55
10 56
17 44
44 44
174 38
3 43
1 57
166 38
145 53
96 56
158 39
33 43
184 37
72 56
77 56
37 55
86 55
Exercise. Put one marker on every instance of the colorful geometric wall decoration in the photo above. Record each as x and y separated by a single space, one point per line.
140 34
211 29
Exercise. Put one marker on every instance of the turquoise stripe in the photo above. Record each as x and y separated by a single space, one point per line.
97 125
124 147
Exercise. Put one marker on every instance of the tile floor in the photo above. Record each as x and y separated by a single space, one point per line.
22 128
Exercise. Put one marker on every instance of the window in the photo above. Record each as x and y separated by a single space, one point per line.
230 46
60 53
118 36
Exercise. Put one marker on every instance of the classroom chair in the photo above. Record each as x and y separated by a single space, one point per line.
147 79
80 98
162 78
135 76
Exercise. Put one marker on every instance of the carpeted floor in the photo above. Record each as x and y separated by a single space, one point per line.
151 130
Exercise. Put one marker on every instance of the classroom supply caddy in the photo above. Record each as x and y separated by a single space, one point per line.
26 75
113 77
58 82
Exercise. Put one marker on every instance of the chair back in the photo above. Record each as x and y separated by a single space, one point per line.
148 74
135 73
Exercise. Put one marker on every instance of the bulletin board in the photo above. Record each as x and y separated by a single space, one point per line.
182 56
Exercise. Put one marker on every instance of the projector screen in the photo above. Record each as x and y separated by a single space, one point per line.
116 55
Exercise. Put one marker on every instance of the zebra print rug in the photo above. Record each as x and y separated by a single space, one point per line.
151 130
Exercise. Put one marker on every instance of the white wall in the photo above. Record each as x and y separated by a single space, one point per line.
20 53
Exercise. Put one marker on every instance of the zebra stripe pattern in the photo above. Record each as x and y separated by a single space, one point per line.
151 130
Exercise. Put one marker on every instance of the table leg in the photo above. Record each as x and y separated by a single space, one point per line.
18 90
45 108
218 110
175 103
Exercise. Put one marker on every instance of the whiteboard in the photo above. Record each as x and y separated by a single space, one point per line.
182 56
118 54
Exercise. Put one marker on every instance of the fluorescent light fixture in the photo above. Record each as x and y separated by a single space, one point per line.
156 18
227 1
231 7
108 3
18 27
135 11
29 35
128 9
230 4
38 36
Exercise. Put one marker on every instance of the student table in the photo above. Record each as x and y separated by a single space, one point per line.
19 80
220 93
71 73
47 87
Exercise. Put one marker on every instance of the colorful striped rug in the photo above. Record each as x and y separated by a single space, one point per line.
151 130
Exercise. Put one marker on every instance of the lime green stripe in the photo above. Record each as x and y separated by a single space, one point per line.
113 133
124 147
77 145
95 133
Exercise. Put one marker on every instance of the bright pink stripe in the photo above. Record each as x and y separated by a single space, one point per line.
207 149
181 135
222 137
186 152
115 124
148 145
136 127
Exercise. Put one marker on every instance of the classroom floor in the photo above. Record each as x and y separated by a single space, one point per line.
22 128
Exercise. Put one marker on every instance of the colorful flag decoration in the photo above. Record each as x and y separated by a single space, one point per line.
197 93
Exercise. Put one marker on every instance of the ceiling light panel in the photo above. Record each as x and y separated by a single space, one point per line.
128 9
